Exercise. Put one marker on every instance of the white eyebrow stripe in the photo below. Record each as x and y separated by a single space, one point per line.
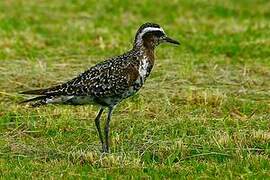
148 29
138 40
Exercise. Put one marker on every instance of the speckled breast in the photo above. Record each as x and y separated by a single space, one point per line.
144 71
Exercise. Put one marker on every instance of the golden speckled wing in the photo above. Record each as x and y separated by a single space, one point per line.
109 78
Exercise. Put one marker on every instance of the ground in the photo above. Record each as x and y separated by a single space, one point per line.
204 112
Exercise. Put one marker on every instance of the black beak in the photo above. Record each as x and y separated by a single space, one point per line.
170 40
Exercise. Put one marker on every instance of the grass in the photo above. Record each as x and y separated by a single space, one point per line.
203 113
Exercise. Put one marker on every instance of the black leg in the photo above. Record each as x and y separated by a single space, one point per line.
107 129
97 122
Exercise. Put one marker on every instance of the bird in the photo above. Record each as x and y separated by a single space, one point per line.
109 82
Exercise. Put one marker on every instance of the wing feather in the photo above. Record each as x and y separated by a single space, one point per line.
108 78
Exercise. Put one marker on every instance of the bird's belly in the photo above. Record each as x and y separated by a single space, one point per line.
74 100
80 100
134 88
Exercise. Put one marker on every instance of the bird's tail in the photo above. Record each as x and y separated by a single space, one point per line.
35 92
36 101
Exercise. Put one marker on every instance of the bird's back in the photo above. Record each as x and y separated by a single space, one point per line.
106 83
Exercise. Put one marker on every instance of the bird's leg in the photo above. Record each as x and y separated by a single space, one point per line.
107 129
97 122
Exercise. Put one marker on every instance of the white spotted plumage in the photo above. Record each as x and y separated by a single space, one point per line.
144 63
108 83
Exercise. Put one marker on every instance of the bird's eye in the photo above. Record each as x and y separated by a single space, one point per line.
154 33
158 33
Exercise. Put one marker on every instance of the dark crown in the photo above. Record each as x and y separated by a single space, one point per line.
144 26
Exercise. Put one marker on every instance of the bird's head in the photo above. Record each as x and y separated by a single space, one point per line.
150 35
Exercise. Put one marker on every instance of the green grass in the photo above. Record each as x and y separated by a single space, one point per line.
203 113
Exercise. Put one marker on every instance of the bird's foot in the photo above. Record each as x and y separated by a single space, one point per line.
105 149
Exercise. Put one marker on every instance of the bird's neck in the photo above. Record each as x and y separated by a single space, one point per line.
147 43
146 53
